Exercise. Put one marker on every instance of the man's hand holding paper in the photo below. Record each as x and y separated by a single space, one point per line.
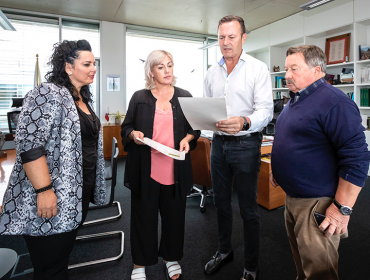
231 126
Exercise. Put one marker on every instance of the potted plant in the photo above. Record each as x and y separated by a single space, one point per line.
117 117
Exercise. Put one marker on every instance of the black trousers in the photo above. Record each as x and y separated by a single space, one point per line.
235 164
144 225
50 254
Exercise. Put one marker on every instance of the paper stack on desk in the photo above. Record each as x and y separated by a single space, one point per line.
267 141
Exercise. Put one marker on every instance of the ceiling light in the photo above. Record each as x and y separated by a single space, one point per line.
314 4
5 23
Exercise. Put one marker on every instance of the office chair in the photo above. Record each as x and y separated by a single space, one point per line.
110 175
278 107
110 202
13 115
201 165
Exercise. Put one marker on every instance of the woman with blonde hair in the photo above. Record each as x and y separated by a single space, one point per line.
158 183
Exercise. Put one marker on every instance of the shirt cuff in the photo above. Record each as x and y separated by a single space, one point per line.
355 176
253 120
32 154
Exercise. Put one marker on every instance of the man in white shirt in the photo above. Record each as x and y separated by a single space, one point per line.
245 83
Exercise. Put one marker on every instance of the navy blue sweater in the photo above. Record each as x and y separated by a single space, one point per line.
318 139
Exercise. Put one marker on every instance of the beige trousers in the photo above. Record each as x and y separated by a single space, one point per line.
315 256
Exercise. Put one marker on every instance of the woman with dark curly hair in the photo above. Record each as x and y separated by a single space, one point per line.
59 162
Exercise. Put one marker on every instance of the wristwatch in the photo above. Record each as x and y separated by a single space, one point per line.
246 124
345 210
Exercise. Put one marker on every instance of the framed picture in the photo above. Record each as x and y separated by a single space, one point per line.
364 52
337 48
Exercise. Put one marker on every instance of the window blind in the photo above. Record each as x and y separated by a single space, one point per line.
18 51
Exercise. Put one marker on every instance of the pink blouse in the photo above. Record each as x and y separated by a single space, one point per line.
162 167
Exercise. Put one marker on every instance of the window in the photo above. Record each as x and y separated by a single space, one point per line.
18 51
73 30
214 54
188 62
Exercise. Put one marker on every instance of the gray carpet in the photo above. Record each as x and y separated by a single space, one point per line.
276 261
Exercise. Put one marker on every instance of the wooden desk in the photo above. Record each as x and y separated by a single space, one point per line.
6 166
110 131
266 150
268 196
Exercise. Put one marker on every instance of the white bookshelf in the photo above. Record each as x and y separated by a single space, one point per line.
270 43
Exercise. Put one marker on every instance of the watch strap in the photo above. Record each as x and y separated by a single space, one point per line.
337 204
246 124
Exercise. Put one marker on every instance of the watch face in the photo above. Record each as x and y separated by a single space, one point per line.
346 210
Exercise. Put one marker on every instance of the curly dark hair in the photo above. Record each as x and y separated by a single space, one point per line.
67 52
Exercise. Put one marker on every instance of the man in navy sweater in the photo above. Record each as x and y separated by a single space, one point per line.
320 159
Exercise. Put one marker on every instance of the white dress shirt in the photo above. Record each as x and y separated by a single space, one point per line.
247 90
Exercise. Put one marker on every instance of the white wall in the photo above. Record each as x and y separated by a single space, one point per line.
361 9
113 52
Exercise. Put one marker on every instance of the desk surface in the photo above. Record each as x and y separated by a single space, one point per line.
6 166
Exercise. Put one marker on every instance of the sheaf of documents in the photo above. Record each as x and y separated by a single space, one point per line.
203 112
163 149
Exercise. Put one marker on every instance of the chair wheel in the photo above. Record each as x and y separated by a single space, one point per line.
203 210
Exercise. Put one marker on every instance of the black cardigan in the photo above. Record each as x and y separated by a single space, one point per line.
140 117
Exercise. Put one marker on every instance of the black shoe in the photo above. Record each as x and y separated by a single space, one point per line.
217 262
248 276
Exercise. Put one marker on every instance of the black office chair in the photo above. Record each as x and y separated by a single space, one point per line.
110 202
278 107
110 175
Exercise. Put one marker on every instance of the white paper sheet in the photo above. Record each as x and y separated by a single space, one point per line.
203 112
163 149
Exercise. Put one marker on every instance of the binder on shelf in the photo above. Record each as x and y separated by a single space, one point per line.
279 82
365 97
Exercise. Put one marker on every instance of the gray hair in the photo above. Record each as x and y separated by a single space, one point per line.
155 58
313 55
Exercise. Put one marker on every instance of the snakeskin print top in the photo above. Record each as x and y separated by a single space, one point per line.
49 118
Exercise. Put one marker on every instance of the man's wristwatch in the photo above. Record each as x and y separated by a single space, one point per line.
345 210
246 124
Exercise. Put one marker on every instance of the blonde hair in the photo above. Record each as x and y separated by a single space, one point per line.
155 58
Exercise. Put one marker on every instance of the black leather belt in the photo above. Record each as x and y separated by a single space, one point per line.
236 138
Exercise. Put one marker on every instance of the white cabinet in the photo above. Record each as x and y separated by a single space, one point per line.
287 29
361 9
330 20
329 16
257 39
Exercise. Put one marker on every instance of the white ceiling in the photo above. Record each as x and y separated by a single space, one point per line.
198 16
